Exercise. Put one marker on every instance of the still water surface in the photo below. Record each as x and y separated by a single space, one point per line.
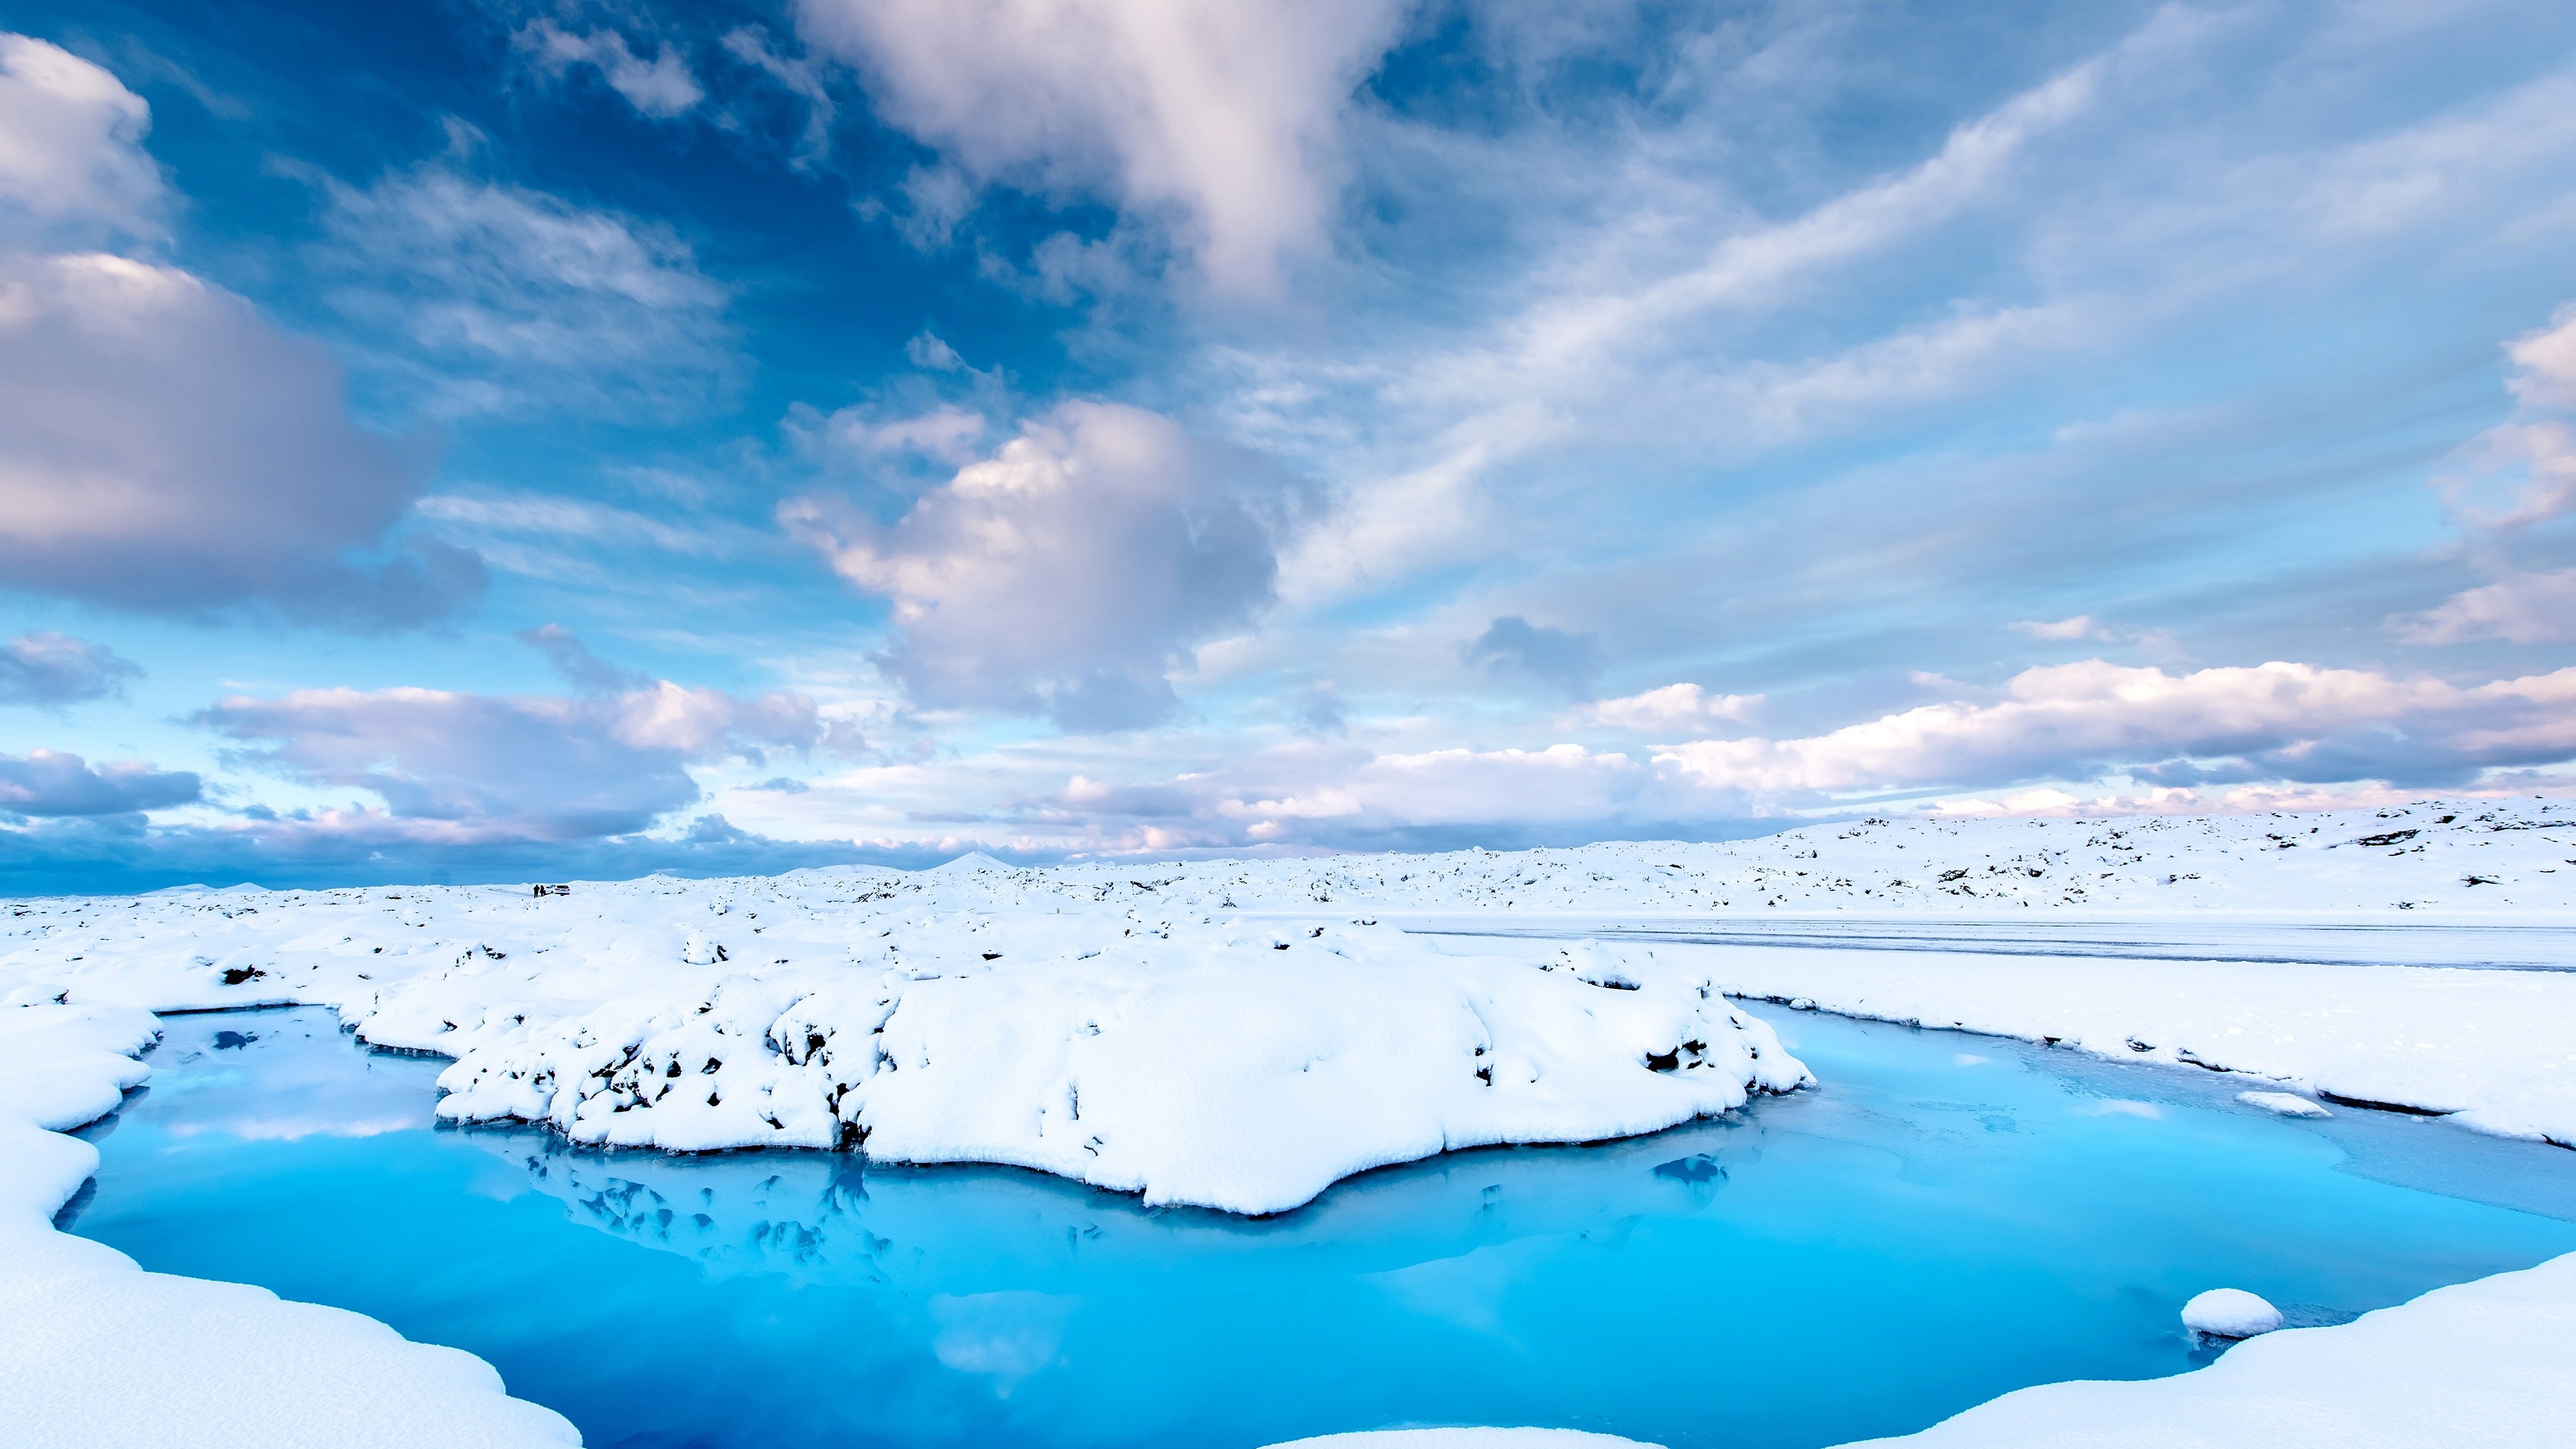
1948 1217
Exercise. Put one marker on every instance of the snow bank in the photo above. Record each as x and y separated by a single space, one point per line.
100 1352
2484 1363
2491 1050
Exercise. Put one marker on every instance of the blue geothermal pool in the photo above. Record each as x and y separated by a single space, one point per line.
1947 1217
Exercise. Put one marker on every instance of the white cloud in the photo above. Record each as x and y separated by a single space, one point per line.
1559 784
52 783
43 667
1068 573
800 77
2524 608
945 433
71 148
2075 721
1672 710
2519 475
2547 359
2079 627
163 447
1224 115
462 768
662 86
495 298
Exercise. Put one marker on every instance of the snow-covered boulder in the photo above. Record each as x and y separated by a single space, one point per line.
2230 1313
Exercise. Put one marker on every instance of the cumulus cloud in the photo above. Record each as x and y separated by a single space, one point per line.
492 298
2075 721
161 445
661 87
52 783
1512 645
71 149
43 667
1225 117
1672 710
460 767
1069 573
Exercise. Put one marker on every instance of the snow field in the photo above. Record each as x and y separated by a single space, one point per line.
2492 1050
1241 1034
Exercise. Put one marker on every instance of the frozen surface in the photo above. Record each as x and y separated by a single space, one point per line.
100 1352
2230 1313
1467 1439
1943 1219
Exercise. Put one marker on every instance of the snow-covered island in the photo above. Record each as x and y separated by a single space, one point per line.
1241 1034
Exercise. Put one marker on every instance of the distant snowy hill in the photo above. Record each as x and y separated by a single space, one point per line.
2437 856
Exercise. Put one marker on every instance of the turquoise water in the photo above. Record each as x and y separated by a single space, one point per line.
1946 1218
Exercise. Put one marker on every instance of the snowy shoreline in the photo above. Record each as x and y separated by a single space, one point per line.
1241 1035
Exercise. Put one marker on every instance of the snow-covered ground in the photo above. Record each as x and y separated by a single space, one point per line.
960 1015
1240 1034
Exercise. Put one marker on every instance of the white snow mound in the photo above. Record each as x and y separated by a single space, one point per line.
2230 1313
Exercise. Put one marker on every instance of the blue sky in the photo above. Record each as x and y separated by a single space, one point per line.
487 440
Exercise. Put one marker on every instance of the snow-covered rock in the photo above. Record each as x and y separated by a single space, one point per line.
100 1352
2230 1313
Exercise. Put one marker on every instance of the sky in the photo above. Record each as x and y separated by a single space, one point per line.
473 440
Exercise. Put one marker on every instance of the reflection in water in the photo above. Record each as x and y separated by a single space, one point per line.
1931 1227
